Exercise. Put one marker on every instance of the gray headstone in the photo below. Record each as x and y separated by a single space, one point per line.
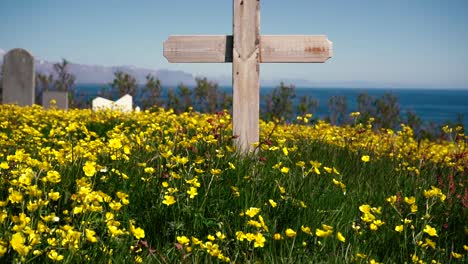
18 78
60 97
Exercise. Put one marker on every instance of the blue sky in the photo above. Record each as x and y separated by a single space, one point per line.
408 43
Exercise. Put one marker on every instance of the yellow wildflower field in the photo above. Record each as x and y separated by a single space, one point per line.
160 187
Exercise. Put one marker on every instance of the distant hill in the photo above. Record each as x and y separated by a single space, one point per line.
104 74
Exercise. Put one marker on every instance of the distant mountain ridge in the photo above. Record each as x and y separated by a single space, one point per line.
105 74
98 74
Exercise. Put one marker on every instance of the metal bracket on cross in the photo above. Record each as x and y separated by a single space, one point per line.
246 48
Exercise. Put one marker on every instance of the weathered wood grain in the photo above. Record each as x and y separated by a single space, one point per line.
198 48
295 48
245 71
273 48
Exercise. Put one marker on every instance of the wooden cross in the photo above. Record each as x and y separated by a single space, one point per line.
246 49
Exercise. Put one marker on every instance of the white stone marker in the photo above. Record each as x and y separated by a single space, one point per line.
124 104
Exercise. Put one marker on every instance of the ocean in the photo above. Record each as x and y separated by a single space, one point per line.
431 105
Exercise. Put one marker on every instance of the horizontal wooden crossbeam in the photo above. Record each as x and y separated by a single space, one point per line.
273 48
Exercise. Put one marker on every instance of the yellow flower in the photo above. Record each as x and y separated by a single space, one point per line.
300 164
192 192
17 243
90 235
115 143
215 171
89 168
272 203
392 199
196 241
259 240
220 235
430 230
250 237
281 189
399 228
15 196
262 222
194 182
277 236
429 243
323 233
378 222
339 184
410 200
365 208
306 230
169 200
252 211
3 248
340 237
407 221
183 240
138 259
290 233
53 255
54 196
284 170
456 255
53 176
254 223
115 206
4 165
434 192
240 236
365 158
211 237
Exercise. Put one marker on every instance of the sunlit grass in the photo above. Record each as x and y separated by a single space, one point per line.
164 188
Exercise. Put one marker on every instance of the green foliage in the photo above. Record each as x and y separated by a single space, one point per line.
172 99
388 111
278 104
185 95
124 83
206 95
64 80
307 105
152 93
338 107
385 110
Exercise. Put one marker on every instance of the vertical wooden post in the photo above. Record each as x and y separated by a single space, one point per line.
245 72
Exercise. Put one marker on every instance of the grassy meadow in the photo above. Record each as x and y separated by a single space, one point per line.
159 187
